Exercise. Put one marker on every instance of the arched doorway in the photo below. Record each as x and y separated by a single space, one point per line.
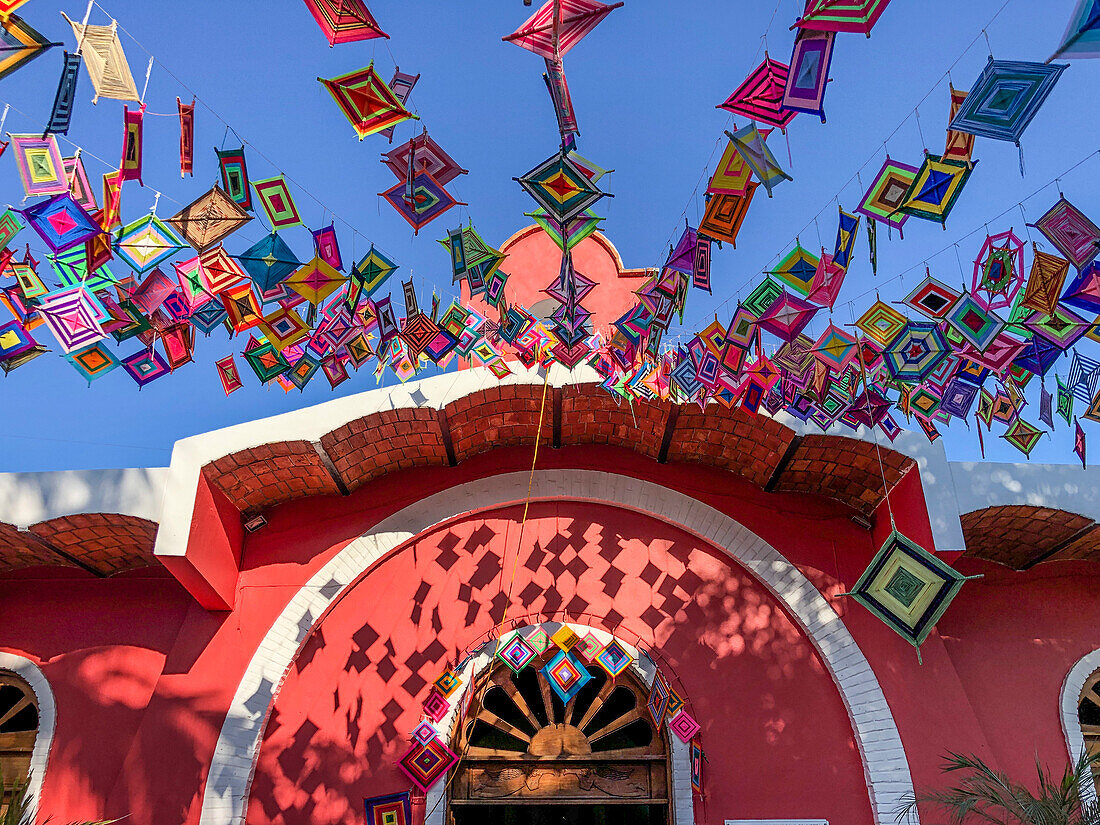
531 759
18 729
1088 714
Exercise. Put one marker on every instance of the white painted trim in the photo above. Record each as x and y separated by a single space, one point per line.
1071 694
886 768
1068 487
190 455
683 804
29 498
28 671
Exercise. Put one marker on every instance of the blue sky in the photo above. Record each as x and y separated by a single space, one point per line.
645 85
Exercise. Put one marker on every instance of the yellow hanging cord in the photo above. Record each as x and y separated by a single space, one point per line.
527 501
511 582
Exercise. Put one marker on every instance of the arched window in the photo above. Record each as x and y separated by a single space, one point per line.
1088 714
18 729
529 757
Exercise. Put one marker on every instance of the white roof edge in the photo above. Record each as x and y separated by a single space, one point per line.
311 423
1068 487
28 498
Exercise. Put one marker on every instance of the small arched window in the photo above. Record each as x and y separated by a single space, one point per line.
1088 714
18 729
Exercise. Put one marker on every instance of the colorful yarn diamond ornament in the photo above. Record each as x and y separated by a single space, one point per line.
345 21
907 587
685 727
561 188
1071 232
423 154
269 262
797 269
234 175
146 243
857 16
427 201
539 640
936 188
145 366
614 658
565 638
73 315
657 703
209 219
998 270
1023 436
93 361
426 763
20 43
61 222
517 653
15 341
760 95
447 683
41 167
435 706
277 202
367 101
391 809
931 297
750 144
559 25
724 215
1082 36
566 675
884 197
105 61
915 351
1005 98
809 72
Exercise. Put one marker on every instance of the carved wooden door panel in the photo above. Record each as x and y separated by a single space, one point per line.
523 745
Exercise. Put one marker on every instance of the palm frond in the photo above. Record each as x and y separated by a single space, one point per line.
983 794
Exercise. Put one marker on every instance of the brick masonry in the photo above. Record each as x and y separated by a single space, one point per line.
385 441
17 549
735 440
108 543
590 416
844 469
507 415
504 416
260 477
1018 535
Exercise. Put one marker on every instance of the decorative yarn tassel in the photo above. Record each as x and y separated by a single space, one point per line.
1021 148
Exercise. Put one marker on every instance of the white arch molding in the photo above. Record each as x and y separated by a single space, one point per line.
683 805
1071 725
28 671
886 770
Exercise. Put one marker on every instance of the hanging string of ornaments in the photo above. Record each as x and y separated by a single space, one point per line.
110 293
102 286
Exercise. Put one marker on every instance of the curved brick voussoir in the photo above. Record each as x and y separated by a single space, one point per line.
261 477
385 441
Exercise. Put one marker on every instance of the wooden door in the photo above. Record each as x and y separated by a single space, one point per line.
18 728
524 745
